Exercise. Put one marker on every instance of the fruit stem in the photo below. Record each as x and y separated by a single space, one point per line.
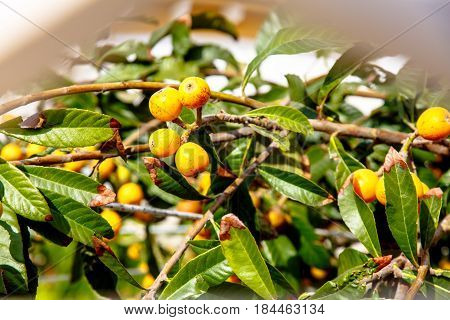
407 144
199 116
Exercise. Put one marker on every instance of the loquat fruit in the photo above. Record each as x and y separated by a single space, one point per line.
113 218
194 92
106 167
364 183
276 218
191 159
233 279
147 281
204 182
434 123
130 193
418 185
12 152
318 274
425 188
165 104
143 216
164 142
33 149
123 174
134 251
190 206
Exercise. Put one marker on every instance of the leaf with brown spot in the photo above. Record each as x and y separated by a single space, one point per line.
229 221
382 261
392 158
244 257
103 197
110 260
170 180
225 173
70 184
36 121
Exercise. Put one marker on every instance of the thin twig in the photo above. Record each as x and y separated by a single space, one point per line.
153 211
420 278
209 215
111 86
442 229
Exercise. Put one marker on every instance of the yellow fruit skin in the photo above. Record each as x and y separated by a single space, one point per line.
191 159
12 152
418 185
204 182
318 274
190 206
134 251
74 166
33 149
164 142
113 218
123 174
434 124
106 168
276 218
147 281
165 104
194 92
364 184
233 279
381 192
130 193
255 199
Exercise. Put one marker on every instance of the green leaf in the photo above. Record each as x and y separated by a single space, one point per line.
76 220
70 184
433 288
206 270
181 41
13 271
343 67
430 208
359 218
401 206
126 72
229 291
125 50
171 181
109 259
138 168
278 251
346 162
297 90
349 259
244 258
283 142
286 117
345 287
243 150
205 55
63 128
201 246
290 41
294 186
86 101
18 193
214 21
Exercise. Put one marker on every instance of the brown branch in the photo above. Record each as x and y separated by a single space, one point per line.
209 215
420 278
351 130
153 211
390 269
112 86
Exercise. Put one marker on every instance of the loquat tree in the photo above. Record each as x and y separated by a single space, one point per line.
288 191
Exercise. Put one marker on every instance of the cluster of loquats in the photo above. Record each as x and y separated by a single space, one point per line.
166 105
433 124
